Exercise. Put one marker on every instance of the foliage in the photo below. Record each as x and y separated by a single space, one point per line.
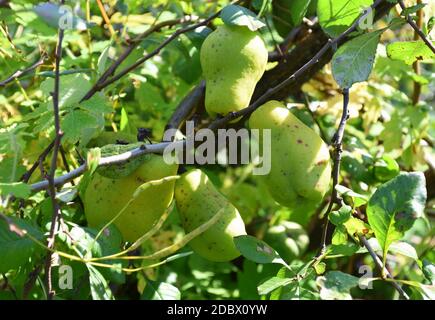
384 200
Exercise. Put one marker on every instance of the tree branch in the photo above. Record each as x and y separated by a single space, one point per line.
52 172
384 271
133 44
187 106
337 141
416 28
117 159
28 174
20 73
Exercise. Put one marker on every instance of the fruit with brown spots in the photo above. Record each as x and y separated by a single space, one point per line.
300 163
104 198
233 59
197 202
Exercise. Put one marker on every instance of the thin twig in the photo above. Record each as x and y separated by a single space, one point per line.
337 141
20 73
7 285
52 172
293 35
275 43
416 28
30 283
416 65
106 18
384 271
28 174
133 44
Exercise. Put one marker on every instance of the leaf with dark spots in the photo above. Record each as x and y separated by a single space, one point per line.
395 206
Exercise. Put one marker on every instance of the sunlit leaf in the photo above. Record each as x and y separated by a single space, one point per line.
240 16
353 61
409 51
395 206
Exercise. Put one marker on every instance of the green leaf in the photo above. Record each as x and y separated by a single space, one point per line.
358 199
97 104
430 24
67 194
18 189
336 16
413 9
339 236
341 216
395 206
124 124
93 159
99 287
160 291
405 249
392 133
234 15
427 291
272 284
256 250
295 291
336 285
320 268
12 138
409 51
298 9
198 36
355 226
260 6
16 248
108 243
10 169
354 60
80 125
72 88
345 249
398 247
386 168
102 60
429 271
